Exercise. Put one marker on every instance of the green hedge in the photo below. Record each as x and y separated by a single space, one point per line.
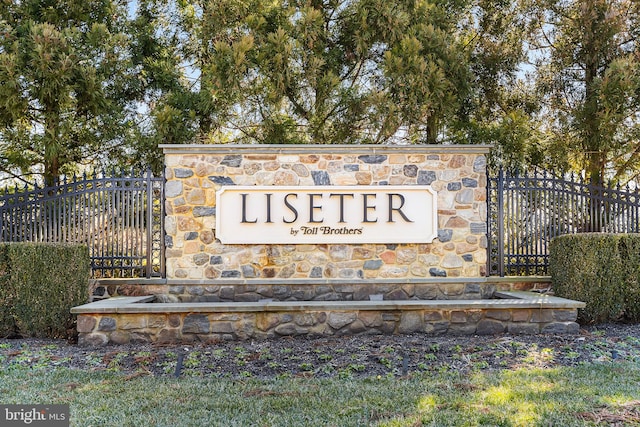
39 283
603 270
7 295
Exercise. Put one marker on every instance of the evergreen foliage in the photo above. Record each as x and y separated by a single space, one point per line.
588 80
548 83
603 270
7 294
63 95
349 71
39 284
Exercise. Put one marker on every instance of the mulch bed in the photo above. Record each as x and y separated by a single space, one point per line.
344 357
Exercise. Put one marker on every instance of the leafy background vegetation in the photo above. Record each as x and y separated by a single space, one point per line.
92 84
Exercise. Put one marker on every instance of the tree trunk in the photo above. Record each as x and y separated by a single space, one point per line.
593 147
52 171
51 158
432 129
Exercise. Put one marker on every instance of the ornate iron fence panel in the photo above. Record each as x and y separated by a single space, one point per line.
120 219
525 211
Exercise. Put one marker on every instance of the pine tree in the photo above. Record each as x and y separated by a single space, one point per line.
588 71
332 71
61 99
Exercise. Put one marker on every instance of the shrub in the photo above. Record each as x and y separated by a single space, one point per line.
7 322
600 269
46 280
630 249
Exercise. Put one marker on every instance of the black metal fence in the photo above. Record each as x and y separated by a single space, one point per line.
525 211
120 219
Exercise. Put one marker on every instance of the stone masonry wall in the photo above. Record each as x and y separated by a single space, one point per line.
227 290
102 328
194 174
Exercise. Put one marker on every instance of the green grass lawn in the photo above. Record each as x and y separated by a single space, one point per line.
591 394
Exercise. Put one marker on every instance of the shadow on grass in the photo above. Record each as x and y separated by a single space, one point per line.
567 396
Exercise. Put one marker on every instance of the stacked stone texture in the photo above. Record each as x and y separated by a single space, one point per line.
192 251
100 329
327 291
229 290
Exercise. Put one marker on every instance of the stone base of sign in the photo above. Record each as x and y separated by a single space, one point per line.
315 290
124 320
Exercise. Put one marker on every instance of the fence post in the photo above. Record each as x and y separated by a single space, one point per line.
161 225
149 182
489 221
500 220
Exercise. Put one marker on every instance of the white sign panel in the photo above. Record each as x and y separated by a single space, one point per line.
326 214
